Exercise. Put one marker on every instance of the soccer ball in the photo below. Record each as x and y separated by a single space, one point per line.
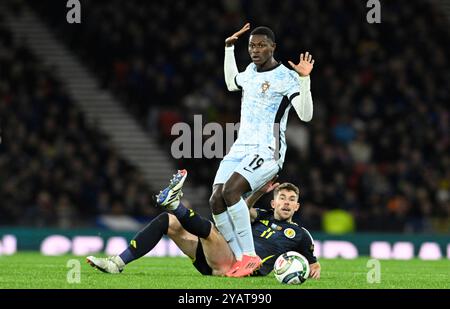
291 268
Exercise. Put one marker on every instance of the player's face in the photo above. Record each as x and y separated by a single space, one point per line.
285 204
260 48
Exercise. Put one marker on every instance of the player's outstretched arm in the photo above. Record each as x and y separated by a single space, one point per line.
235 36
305 65
303 103
230 68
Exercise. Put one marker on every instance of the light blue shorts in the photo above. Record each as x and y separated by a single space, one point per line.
256 169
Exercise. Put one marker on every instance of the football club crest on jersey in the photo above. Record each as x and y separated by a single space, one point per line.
264 87
289 233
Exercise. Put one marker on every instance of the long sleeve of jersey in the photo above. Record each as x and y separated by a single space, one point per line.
230 69
303 103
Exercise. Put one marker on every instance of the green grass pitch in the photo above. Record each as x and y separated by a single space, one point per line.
32 270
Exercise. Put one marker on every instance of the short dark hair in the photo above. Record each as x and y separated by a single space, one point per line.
264 31
286 186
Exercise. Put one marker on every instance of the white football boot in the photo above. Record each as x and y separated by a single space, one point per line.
111 264
170 196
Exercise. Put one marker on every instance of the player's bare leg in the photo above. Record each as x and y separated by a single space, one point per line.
182 238
234 188
218 253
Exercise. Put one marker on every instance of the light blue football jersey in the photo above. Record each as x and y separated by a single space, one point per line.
265 106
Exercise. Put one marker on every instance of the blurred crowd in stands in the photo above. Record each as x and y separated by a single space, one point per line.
55 170
378 144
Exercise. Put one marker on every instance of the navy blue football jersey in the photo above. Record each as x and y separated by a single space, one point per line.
273 238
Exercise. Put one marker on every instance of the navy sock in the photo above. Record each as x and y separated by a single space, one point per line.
146 239
180 211
192 222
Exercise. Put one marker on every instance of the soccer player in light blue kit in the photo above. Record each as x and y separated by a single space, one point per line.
269 90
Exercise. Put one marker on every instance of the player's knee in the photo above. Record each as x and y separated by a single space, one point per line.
216 202
163 221
174 226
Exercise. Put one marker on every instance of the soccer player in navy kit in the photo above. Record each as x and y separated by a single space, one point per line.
269 90
273 232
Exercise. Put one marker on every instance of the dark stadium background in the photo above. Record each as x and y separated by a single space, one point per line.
377 148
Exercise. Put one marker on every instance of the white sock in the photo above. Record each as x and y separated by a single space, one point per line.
225 226
240 217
